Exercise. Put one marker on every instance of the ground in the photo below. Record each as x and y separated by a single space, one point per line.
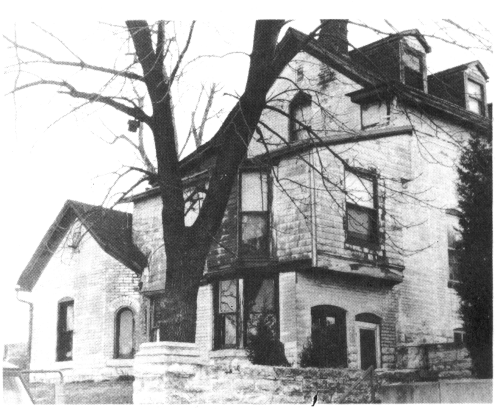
112 392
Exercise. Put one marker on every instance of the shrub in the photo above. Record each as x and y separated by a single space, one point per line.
263 347
320 351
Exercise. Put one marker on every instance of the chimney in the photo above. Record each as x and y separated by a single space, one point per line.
333 36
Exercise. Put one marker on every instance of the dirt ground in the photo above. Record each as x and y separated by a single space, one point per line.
85 393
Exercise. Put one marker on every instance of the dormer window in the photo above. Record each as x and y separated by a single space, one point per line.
475 97
413 67
300 116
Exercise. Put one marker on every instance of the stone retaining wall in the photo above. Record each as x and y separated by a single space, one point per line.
168 372
446 360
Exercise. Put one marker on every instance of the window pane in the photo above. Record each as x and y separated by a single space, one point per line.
359 222
412 61
260 295
125 341
475 106
254 234
301 113
69 317
253 192
228 296
359 190
229 329
475 89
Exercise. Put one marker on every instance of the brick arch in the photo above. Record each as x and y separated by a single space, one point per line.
123 302
368 317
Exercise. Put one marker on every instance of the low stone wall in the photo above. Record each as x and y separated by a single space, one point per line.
446 360
170 373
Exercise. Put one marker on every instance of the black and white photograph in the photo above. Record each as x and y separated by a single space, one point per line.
237 208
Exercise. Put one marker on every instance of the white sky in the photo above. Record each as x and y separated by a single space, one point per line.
41 168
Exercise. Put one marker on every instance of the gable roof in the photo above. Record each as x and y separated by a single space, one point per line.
397 36
111 229
463 67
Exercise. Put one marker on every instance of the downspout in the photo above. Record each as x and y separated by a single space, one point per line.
30 329
312 185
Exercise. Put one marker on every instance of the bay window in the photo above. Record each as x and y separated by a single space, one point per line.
240 304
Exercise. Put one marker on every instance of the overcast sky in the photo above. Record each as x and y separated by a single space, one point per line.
45 163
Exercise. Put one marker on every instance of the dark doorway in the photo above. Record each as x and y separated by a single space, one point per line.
328 336
368 348
368 331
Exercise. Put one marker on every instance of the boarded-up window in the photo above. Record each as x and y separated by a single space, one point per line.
374 114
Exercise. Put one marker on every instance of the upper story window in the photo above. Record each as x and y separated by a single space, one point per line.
453 240
65 330
414 67
325 76
300 116
374 114
361 208
475 97
254 215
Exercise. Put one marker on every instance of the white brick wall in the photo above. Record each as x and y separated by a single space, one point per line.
99 286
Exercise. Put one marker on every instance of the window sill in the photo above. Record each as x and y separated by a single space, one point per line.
117 363
228 353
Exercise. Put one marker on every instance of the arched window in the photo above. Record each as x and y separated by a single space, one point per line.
124 338
368 329
300 115
65 329
328 336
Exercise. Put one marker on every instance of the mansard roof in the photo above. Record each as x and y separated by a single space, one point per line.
111 229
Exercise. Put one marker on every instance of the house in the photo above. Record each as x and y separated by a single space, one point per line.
83 279
343 218
344 213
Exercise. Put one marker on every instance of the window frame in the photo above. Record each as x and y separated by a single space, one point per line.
62 334
220 317
422 64
355 238
299 101
481 101
242 310
117 354
266 215
382 123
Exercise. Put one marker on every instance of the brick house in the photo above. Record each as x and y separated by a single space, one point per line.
342 218
83 278
344 214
